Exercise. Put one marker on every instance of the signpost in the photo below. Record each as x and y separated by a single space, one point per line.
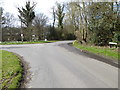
22 37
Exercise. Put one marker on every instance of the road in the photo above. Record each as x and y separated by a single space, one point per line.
53 66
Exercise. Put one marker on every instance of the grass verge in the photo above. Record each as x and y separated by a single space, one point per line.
11 70
104 51
32 42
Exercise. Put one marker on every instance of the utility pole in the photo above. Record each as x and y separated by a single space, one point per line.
21 32
0 24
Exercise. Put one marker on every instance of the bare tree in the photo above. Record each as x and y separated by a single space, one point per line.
40 22
9 19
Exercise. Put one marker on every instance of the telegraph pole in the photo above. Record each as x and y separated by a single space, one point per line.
0 24
21 32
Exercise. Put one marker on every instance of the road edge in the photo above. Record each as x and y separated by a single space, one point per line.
101 58
26 75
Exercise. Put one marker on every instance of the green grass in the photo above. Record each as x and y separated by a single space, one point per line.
104 51
25 42
11 70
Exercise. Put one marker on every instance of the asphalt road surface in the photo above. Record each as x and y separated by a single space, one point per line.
53 66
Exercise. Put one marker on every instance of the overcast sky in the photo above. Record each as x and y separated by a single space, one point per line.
43 6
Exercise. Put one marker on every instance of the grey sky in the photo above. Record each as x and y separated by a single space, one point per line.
43 6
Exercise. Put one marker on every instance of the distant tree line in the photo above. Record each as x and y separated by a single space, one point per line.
89 22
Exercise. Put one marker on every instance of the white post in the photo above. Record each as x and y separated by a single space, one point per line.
0 25
22 37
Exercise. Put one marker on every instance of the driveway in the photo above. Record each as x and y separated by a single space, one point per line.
53 66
